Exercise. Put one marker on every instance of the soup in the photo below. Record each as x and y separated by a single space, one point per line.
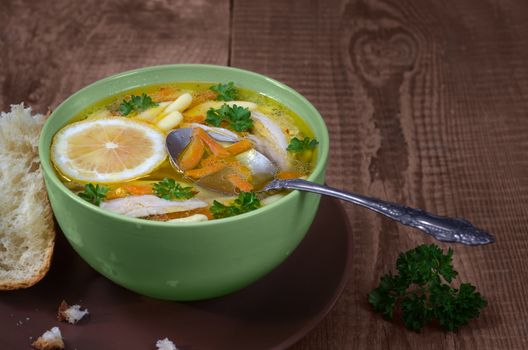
113 153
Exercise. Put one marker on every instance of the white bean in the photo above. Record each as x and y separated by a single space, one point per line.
180 104
170 121
152 113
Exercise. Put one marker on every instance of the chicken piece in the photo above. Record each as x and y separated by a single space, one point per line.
270 140
140 206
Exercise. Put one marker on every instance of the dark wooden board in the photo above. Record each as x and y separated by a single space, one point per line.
426 103
51 49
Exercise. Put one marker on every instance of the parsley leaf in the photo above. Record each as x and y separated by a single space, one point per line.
239 118
225 92
216 116
415 312
297 145
246 202
94 194
454 308
384 297
169 189
420 289
136 103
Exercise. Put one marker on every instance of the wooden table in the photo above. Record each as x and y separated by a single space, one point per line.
426 103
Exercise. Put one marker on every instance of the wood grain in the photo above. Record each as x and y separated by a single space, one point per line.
50 49
426 103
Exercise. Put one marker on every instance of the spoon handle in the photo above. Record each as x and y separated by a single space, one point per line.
440 227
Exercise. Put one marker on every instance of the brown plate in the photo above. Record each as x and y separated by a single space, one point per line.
273 313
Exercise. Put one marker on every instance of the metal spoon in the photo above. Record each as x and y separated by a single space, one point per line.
440 227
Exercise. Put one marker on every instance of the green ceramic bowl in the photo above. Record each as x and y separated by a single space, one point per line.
183 261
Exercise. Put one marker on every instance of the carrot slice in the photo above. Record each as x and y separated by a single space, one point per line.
229 161
239 182
283 175
202 96
214 146
129 190
138 189
239 147
194 118
206 170
166 94
210 160
192 154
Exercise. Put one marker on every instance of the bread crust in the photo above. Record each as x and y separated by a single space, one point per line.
40 344
7 285
61 316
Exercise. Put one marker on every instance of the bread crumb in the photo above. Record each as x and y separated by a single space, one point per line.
165 344
50 340
71 314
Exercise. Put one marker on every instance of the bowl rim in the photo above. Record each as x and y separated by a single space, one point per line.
323 146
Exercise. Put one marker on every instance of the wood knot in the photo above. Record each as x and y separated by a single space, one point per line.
381 56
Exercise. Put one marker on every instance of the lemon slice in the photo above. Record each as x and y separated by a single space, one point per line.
107 150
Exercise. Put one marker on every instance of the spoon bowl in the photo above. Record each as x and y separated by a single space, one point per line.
262 169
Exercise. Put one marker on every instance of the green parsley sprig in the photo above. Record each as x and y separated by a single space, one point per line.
238 118
297 145
94 194
137 104
169 189
225 92
420 290
246 202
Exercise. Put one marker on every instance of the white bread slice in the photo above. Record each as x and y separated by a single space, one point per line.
27 234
